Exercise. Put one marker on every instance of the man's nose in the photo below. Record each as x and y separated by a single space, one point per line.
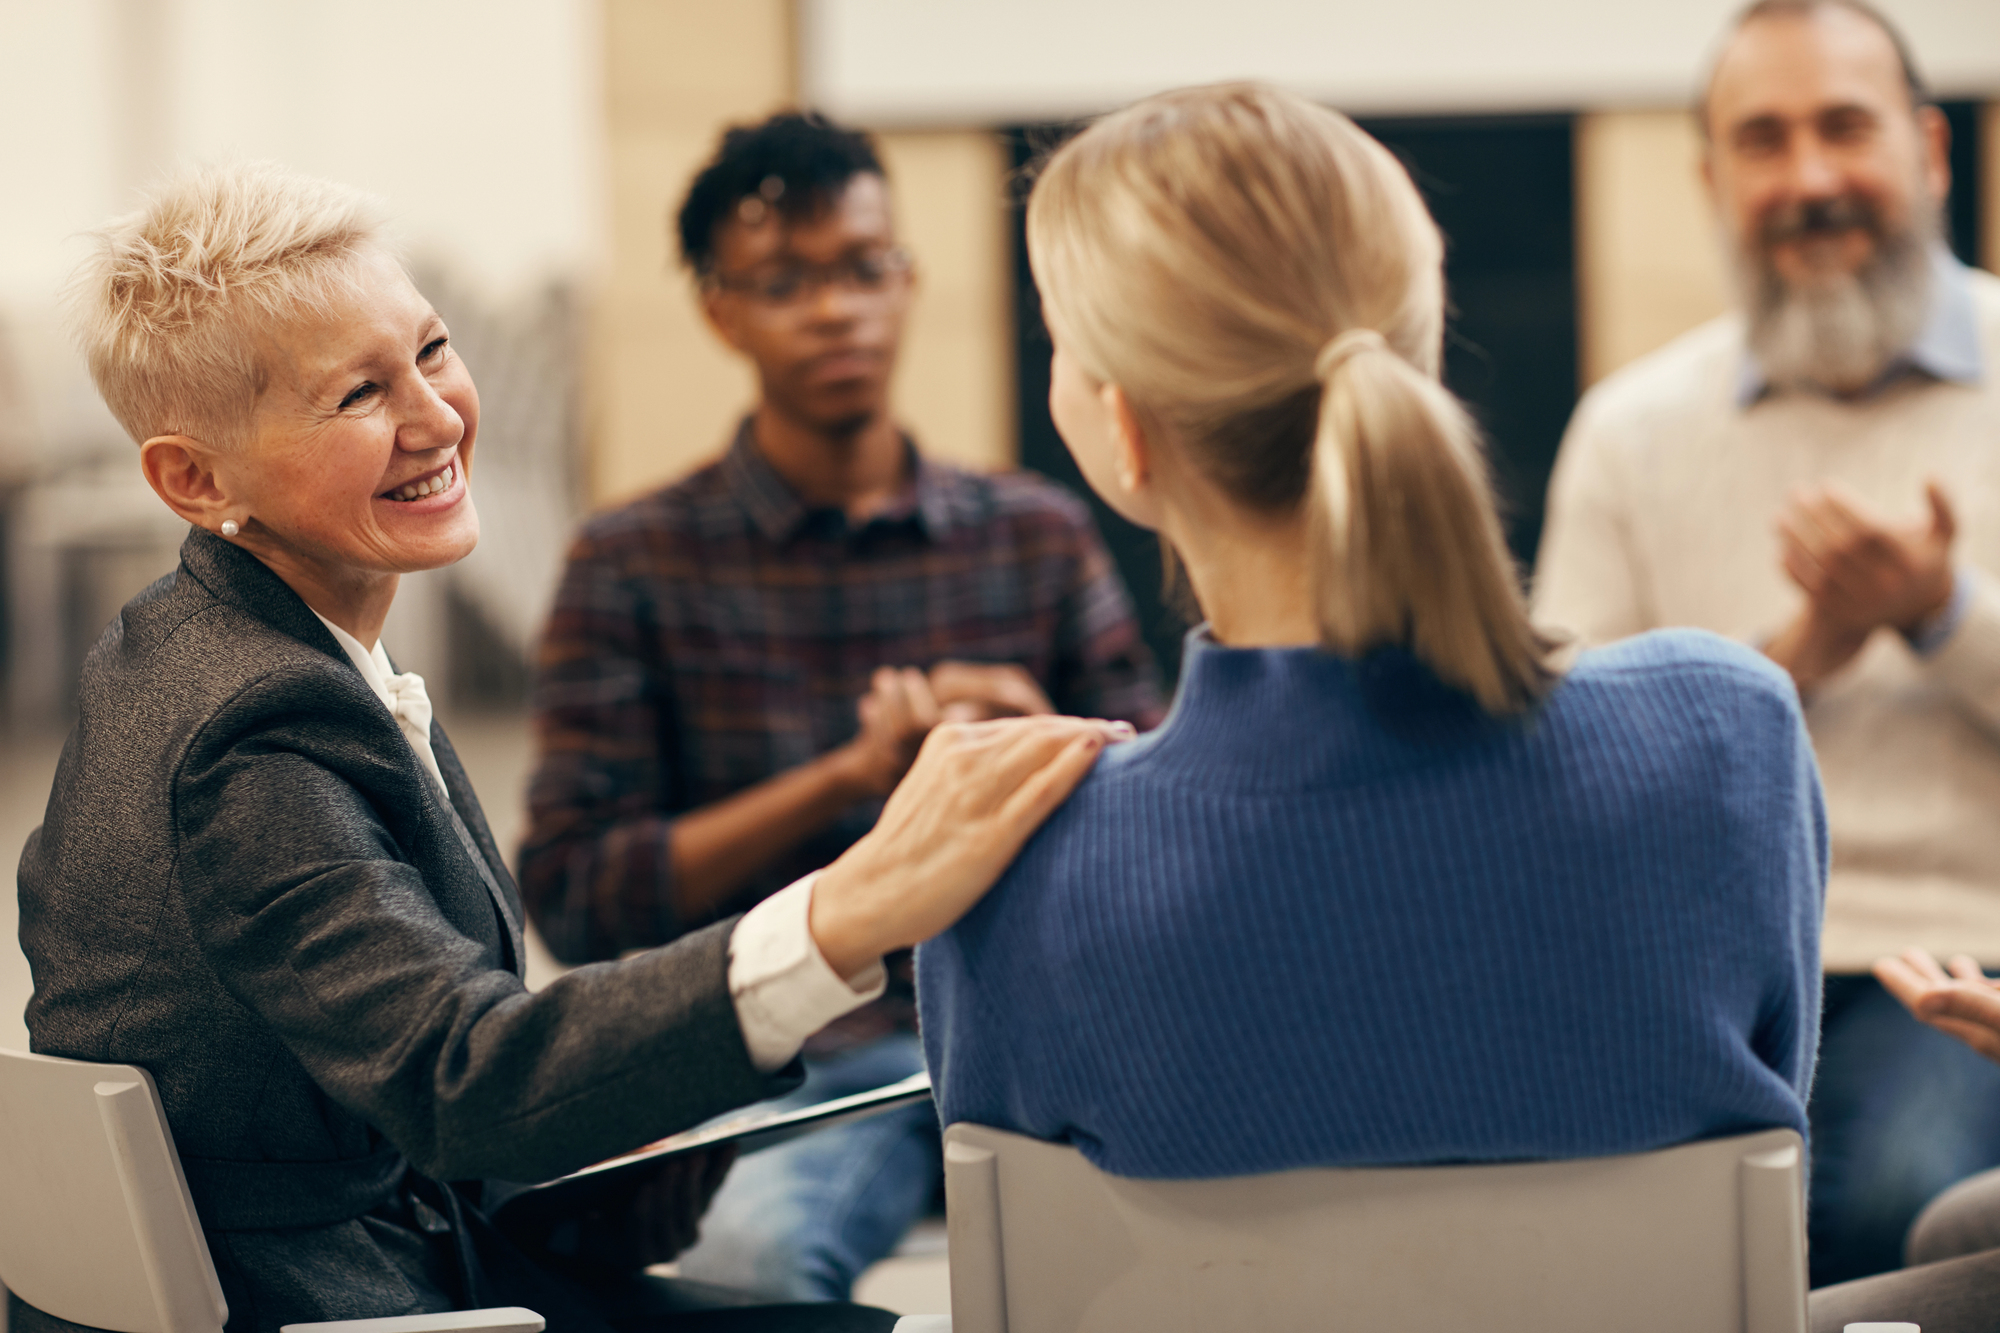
1814 172
831 301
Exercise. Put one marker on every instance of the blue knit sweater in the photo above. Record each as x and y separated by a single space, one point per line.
1331 914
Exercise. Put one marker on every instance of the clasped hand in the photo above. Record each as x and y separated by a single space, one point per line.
903 704
1860 572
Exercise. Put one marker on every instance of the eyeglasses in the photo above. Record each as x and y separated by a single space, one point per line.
869 272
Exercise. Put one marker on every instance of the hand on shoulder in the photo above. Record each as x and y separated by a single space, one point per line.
977 792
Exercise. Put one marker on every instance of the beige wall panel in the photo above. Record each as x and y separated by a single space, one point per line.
677 61
1989 244
1648 264
665 421
955 383
663 394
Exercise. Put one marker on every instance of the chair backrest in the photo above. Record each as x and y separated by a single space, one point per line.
97 1226
1703 1238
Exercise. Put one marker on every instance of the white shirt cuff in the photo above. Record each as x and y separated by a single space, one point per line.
783 987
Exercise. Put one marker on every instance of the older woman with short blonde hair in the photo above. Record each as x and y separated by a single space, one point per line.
264 877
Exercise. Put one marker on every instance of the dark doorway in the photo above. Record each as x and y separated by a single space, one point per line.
1967 192
1502 190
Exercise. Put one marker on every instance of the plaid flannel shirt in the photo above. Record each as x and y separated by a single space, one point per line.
718 632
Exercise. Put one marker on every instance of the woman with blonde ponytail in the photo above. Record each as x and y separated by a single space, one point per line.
1388 885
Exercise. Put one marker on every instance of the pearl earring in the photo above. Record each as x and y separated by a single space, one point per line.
229 527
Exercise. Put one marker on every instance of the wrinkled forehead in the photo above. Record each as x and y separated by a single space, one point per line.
363 311
1796 65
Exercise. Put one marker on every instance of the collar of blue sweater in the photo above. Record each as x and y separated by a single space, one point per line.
1946 348
1286 718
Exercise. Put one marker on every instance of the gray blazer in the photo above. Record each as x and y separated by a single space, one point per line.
248 885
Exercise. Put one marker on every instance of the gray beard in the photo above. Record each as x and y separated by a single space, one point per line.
1840 333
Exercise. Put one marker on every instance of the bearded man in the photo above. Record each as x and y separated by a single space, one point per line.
1819 475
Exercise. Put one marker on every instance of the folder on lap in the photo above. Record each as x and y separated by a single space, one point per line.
754 1129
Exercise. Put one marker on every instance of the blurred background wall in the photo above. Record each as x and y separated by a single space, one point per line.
532 149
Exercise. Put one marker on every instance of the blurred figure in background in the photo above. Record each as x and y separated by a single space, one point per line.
701 740
1815 475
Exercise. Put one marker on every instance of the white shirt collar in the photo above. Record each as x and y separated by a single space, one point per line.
373 664
382 678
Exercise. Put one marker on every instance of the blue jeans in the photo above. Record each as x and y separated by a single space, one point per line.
799 1222
1898 1113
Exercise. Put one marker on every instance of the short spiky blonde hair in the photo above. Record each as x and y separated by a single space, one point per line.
170 309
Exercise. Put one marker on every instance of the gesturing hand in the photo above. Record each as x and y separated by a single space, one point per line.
975 794
1861 571
981 691
1964 1002
898 711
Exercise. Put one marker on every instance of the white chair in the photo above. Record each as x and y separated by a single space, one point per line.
98 1227
1702 1238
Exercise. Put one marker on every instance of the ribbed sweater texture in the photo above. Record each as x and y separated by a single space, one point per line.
1329 913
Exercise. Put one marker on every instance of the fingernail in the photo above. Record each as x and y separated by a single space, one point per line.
1124 729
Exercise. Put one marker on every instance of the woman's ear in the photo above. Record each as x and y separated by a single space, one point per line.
181 471
1131 451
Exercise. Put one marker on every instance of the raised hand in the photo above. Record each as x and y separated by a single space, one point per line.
1963 1002
1861 571
976 793
982 691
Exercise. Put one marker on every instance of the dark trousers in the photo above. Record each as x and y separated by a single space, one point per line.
656 1305
666 1305
642 1303
1898 1113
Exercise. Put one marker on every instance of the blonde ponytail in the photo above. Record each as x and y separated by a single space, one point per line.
1263 281
1407 547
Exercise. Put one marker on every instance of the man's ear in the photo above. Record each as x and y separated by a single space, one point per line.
1131 451
1935 132
721 316
181 471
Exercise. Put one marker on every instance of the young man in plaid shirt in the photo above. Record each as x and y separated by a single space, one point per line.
741 666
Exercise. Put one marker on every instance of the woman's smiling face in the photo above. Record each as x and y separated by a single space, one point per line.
361 440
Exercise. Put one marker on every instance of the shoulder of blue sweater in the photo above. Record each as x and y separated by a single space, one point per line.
1687 653
1118 763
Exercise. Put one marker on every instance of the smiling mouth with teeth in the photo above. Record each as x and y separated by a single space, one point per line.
417 490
